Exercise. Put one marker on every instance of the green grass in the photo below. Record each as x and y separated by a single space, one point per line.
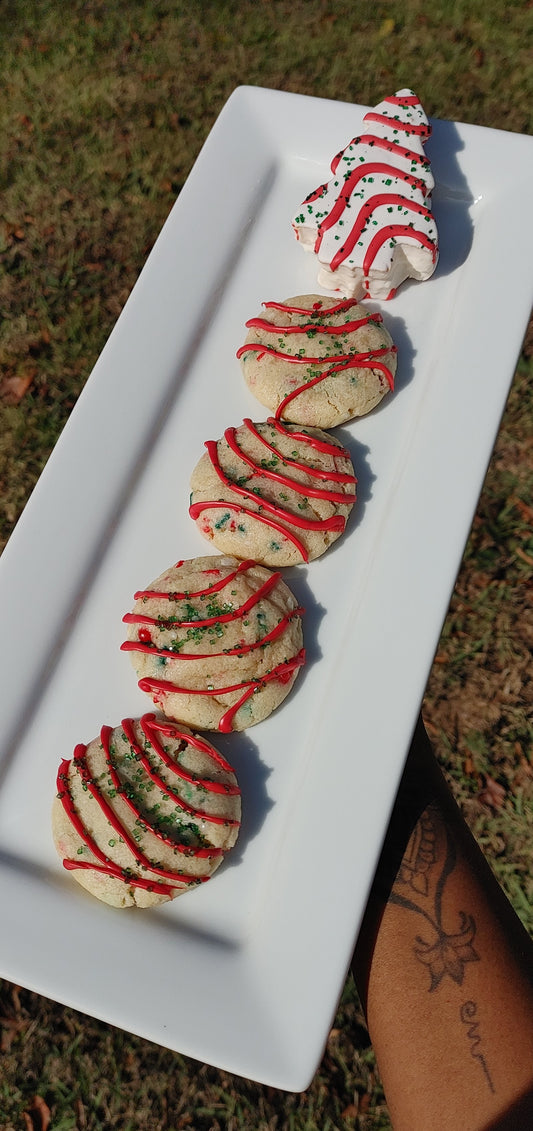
479 693
104 109
91 1075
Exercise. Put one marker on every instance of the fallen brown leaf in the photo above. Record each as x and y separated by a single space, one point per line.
12 389
38 1115
525 509
15 998
524 557
350 1112
468 765
364 1103
80 1115
492 794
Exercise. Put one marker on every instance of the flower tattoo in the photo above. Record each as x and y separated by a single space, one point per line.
419 887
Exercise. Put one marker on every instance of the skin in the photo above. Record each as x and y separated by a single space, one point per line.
444 969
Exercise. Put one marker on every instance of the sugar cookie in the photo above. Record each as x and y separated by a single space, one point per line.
145 812
317 360
216 642
273 492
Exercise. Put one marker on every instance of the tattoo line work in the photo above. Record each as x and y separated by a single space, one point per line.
467 1014
425 876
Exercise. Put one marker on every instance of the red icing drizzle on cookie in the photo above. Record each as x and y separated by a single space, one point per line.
152 882
316 309
282 514
196 509
237 650
335 363
314 442
314 327
214 587
282 672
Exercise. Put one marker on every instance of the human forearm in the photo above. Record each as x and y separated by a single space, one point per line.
444 969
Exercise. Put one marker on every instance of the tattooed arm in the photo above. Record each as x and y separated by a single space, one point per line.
444 969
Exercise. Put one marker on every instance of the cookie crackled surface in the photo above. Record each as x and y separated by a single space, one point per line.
275 492
216 643
318 361
145 812
371 225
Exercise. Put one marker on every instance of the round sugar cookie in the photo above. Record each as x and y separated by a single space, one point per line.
273 492
317 360
144 812
216 642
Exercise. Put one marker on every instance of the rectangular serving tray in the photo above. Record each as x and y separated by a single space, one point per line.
245 972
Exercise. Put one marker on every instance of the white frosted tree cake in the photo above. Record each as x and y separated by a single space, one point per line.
371 225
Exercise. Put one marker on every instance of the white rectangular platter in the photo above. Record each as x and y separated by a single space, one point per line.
245 972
